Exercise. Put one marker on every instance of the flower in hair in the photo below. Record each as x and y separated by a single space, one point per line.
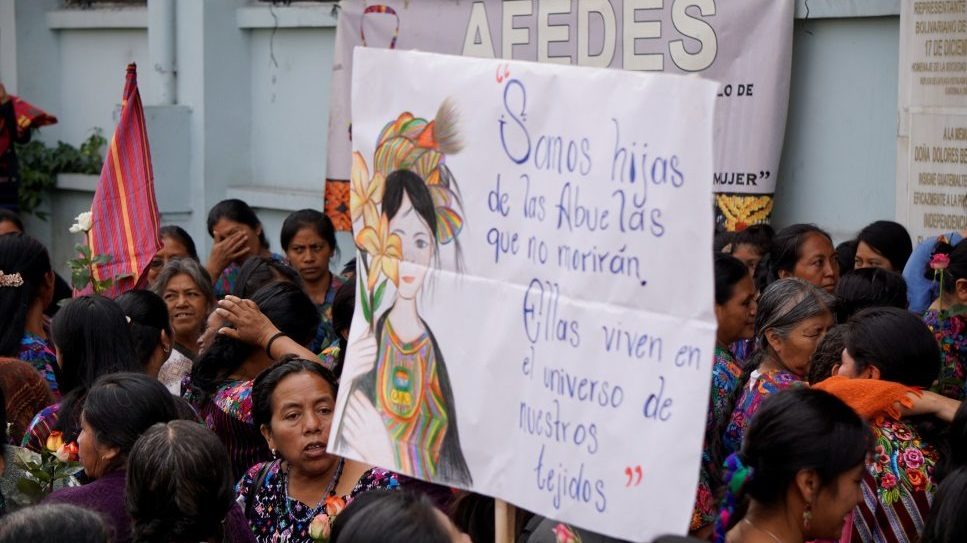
11 279
940 261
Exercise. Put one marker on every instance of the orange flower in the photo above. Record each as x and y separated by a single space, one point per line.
364 193
55 441
916 479
384 248
335 505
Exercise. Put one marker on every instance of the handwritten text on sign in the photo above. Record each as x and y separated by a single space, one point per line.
553 332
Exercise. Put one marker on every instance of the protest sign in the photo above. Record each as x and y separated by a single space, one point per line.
534 312
746 46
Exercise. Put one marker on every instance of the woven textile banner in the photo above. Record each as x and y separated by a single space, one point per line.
745 45
534 308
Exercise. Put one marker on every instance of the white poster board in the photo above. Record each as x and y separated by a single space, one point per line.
560 360
744 45
932 134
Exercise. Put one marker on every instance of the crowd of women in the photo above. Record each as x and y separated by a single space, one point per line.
201 405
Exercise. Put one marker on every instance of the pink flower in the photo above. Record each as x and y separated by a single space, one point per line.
913 458
939 261
564 534
902 433
888 481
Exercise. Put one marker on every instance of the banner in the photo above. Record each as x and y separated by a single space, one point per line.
747 46
932 135
534 312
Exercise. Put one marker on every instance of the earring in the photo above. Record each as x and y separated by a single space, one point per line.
275 453
807 517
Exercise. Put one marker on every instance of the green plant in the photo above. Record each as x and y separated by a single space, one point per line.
40 164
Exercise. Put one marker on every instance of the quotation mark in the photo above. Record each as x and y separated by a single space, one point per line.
503 72
764 175
631 473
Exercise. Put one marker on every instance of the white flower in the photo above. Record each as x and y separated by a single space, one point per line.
82 223
62 454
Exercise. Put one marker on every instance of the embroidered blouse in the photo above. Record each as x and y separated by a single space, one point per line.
228 413
39 430
37 352
761 386
225 284
268 508
898 486
725 377
951 334
326 335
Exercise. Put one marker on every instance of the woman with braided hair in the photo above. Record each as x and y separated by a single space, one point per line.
798 473
403 383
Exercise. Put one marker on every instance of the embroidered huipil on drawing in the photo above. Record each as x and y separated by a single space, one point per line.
410 398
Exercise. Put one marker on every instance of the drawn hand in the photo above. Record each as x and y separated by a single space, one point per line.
364 349
364 431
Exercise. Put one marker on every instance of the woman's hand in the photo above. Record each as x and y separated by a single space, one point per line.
364 349
364 430
226 251
250 324
930 403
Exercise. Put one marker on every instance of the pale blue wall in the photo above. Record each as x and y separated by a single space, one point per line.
838 165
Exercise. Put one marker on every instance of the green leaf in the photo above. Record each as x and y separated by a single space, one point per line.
101 259
378 297
31 489
85 250
367 311
80 278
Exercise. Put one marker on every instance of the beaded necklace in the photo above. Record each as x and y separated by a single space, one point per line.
330 491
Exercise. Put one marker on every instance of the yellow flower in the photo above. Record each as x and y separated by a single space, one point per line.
364 193
55 441
385 250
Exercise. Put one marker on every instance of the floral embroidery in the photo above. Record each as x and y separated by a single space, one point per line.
761 386
951 334
235 399
902 463
269 515
37 352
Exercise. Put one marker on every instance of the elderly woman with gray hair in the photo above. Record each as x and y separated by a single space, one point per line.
187 291
792 318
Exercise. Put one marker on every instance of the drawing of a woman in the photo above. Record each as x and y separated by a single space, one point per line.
407 388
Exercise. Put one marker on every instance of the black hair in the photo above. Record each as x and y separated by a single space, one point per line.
728 272
947 521
343 306
389 516
8 215
955 454
93 339
787 250
402 182
308 218
759 236
889 239
827 355
289 309
120 407
54 523
473 514
350 267
799 429
238 211
264 385
846 255
957 269
896 342
3 420
258 271
179 484
19 254
722 242
179 234
149 317
869 287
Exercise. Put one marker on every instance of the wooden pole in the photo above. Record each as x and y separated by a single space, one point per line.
504 514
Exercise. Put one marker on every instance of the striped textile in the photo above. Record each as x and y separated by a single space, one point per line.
125 211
